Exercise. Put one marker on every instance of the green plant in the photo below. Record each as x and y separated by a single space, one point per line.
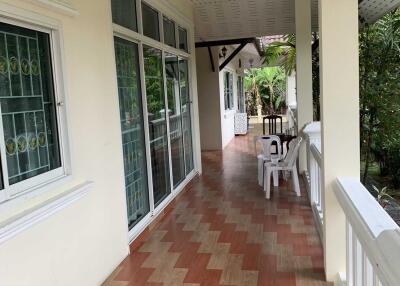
265 87
383 195
282 53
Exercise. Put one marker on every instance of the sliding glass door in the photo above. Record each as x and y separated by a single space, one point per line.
175 119
133 139
186 114
157 115
151 52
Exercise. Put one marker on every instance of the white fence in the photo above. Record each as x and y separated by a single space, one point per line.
313 175
373 238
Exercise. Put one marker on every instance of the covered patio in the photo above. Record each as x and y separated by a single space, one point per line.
145 182
222 231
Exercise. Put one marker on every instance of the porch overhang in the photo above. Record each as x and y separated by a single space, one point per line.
235 19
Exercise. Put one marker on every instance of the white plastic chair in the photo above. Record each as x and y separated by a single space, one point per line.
287 165
265 155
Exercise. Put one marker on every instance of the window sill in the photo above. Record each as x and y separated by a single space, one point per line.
26 218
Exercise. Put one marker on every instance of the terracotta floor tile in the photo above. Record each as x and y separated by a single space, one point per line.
222 231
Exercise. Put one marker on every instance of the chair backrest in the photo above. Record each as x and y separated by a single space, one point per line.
272 122
266 142
293 153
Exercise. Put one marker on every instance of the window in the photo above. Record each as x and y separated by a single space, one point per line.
169 32
29 128
183 43
155 107
124 13
132 128
241 98
228 90
151 26
175 119
186 114
157 114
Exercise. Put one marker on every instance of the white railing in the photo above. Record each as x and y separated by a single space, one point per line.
373 238
312 134
292 121
158 129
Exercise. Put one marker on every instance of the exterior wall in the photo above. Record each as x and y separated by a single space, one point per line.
209 103
291 91
83 243
217 125
228 116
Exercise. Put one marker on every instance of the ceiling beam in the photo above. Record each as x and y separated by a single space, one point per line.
230 58
224 42
211 59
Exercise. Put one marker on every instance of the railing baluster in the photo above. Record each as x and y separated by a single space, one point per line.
372 237
349 254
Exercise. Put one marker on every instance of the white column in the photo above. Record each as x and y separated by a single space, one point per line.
303 70
339 77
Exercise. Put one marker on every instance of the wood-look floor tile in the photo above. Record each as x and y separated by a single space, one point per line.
221 231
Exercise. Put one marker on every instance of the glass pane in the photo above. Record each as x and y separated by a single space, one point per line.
183 45
186 114
28 103
133 142
151 27
157 123
230 92
169 32
124 13
226 90
175 119
241 99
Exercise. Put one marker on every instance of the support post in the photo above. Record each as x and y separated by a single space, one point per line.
303 71
339 77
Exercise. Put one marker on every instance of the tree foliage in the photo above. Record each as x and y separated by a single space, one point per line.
282 53
380 96
265 87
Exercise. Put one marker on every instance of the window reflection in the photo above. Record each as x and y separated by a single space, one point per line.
157 123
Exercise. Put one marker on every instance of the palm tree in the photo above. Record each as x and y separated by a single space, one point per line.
267 86
282 53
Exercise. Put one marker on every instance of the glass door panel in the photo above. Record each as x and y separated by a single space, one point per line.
133 140
186 114
175 119
157 123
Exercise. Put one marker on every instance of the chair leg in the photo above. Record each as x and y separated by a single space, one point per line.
260 171
267 182
295 177
276 178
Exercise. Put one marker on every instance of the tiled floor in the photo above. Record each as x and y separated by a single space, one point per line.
221 231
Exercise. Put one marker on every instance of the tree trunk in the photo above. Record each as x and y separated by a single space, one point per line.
368 147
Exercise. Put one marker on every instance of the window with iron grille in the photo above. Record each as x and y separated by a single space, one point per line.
30 140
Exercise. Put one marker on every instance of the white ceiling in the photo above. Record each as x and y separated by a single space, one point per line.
232 19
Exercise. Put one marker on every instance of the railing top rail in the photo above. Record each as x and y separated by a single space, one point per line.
375 229
316 152
361 208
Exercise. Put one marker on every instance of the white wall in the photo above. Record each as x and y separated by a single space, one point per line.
217 125
83 243
228 116
209 103
291 91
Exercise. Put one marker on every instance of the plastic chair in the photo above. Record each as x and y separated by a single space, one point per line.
266 155
287 165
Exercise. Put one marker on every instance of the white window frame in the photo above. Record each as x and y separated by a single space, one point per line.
43 182
229 101
140 39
